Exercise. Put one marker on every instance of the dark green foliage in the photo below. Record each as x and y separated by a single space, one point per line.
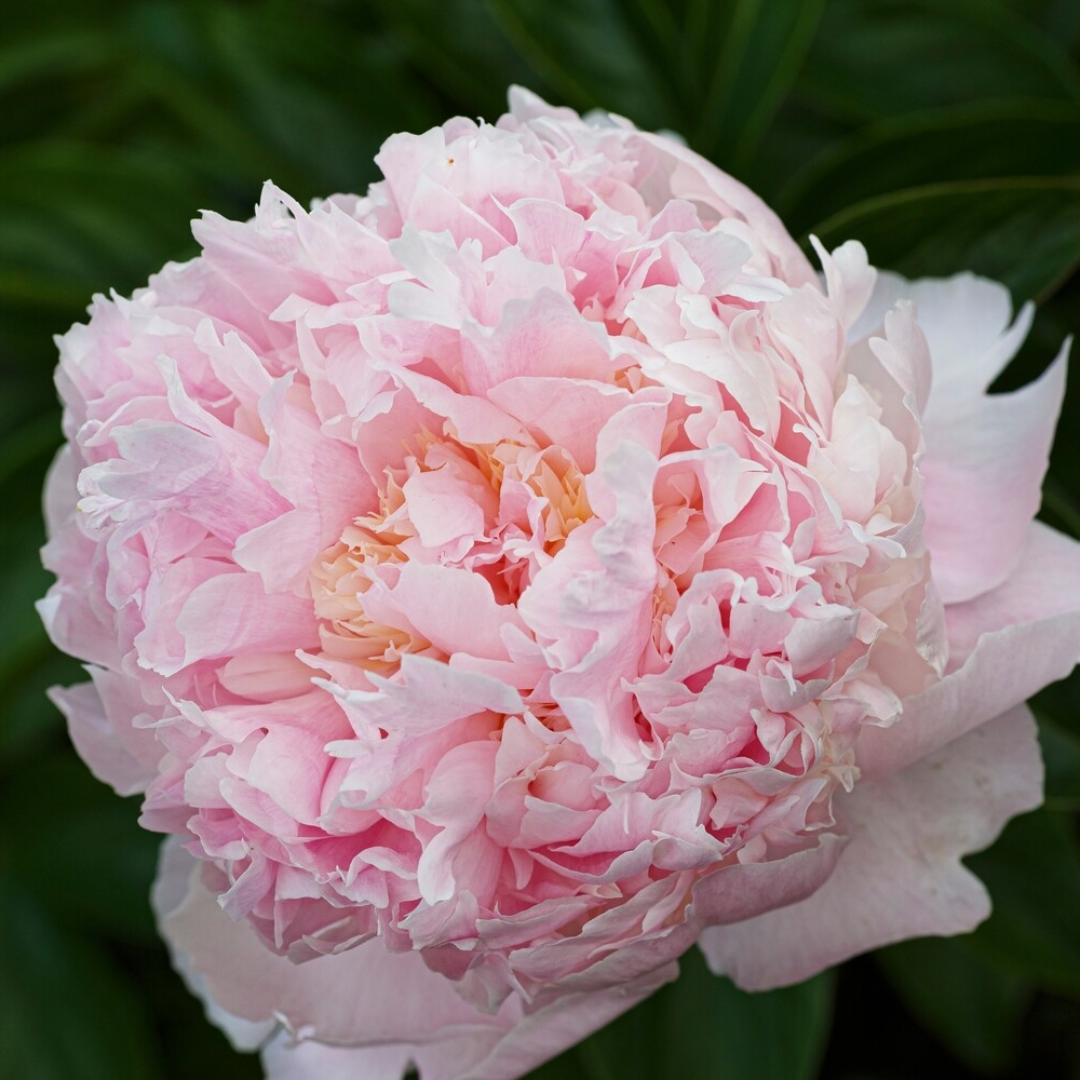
945 134
973 1005
702 1026
925 230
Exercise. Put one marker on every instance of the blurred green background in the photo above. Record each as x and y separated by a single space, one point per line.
945 134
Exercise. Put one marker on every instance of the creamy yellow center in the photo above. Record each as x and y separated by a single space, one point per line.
343 572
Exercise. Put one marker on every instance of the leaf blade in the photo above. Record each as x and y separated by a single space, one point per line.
939 229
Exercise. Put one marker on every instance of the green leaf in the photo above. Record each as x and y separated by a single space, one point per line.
41 76
297 81
586 51
46 58
82 850
716 73
68 1014
1024 233
715 1029
1061 755
1063 509
975 1007
27 445
754 64
23 580
1059 704
476 72
1059 19
29 721
702 1027
965 143
85 215
935 52
1033 874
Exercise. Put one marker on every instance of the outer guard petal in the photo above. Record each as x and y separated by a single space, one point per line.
377 1010
900 875
1009 644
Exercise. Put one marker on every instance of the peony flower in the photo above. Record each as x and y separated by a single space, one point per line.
498 583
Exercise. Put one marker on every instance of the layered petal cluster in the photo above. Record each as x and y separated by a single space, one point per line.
500 581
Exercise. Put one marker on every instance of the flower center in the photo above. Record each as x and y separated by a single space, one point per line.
502 510
339 578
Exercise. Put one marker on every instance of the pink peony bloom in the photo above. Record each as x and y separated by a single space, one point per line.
502 581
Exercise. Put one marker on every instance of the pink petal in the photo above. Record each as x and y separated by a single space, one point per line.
267 263
565 412
429 695
695 179
443 508
985 454
320 476
966 322
100 718
1026 634
363 994
900 875
739 892
366 1000
984 465
473 419
285 1060
590 610
290 763
544 336
1044 585
523 1043
231 614
454 609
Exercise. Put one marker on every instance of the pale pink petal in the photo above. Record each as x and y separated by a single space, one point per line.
454 609
72 620
231 614
545 336
850 280
124 757
366 997
984 465
235 363
430 695
1014 641
744 890
696 180
538 1036
1044 585
522 1045
602 600
366 994
565 412
985 454
266 263
900 875
475 419
285 1060
966 322
290 763
169 893
281 551
443 508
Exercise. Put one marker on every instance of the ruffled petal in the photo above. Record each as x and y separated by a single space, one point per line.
1044 585
101 719
900 875
371 1011
1013 642
985 454
366 994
